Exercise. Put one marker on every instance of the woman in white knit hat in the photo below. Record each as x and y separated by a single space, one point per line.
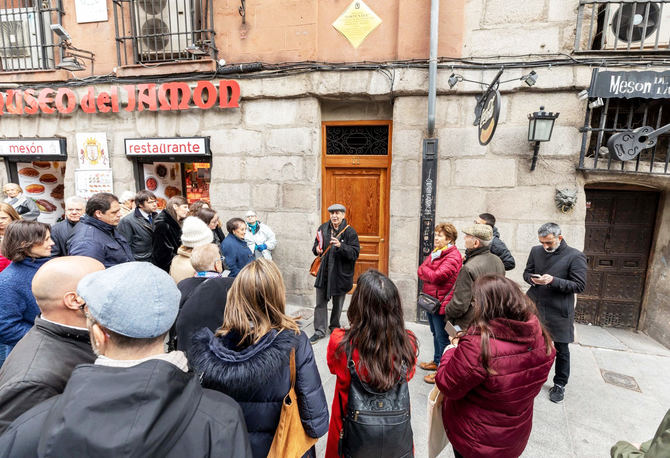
194 232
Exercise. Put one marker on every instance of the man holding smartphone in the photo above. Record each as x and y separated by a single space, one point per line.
556 272
337 243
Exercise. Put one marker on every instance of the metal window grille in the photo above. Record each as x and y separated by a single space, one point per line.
623 26
163 30
358 140
26 40
625 115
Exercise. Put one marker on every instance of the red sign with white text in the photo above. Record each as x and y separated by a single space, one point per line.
140 97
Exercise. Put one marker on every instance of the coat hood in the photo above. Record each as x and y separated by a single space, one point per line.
236 370
136 411
512 330
103 226
496 233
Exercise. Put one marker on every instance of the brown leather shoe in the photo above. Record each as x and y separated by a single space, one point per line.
430 378
428 366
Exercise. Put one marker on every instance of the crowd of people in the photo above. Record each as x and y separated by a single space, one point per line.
154 334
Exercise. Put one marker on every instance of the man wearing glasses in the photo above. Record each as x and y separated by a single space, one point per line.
60 232
138 226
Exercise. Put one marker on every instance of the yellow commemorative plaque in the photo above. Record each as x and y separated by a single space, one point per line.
356 23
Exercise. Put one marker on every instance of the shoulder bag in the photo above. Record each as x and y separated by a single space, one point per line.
290 440
432 304
316 264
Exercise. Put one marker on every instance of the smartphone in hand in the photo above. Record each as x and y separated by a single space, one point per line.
535 275
452 330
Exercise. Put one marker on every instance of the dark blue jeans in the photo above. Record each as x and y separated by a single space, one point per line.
440 336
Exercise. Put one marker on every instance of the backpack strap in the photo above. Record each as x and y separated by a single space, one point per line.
292 365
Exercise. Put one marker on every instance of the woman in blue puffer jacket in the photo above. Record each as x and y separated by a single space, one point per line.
248 357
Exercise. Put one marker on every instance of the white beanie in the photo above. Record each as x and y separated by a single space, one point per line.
194 232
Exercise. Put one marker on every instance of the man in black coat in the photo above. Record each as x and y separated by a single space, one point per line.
336 273
497 246
136 400
203 297
556 272
40 364
138 227
61 231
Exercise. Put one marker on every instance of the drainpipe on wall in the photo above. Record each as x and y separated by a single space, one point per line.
429 156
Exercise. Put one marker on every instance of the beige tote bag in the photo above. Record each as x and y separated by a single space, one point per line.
437 437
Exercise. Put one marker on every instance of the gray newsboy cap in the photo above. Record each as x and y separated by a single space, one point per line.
337 208
481 231
134 299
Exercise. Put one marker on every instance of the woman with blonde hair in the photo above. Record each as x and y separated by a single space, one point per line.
248 357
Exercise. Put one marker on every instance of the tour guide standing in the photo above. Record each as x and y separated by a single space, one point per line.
562 274
336 274
96 236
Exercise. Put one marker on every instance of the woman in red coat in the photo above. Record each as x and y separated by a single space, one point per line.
490 379
378 341
439 272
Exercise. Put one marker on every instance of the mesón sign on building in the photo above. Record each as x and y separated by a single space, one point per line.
136 97
646 84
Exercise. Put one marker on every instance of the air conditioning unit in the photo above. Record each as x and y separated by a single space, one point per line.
25 41
657 26
164 29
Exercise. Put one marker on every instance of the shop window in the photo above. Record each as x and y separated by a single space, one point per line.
163 30
26 40
359 140
626 115
169 179
623 26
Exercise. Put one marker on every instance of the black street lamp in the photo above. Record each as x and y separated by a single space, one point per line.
540 128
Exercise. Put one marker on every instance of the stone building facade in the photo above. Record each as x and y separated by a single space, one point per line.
268 153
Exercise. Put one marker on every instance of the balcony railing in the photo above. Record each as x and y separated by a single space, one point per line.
26 39
625 115
623 26
149 31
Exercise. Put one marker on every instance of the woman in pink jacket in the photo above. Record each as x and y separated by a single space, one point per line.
439 272
490 379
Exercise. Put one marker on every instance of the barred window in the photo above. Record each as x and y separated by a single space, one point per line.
626 115
26 40
163 30
623 26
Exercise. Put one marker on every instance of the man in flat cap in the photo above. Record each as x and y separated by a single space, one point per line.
135 397
337 243
478 261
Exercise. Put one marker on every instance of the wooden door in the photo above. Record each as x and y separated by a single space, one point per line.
355 164
619 231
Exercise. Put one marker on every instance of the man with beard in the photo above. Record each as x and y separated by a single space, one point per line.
337 243
61 232
556 272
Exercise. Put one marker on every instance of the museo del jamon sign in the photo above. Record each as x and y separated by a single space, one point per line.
172 96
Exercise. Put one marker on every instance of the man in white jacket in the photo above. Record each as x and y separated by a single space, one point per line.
259 237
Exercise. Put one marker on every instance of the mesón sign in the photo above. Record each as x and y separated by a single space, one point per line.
171 96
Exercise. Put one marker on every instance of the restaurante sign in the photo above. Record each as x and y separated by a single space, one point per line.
138 97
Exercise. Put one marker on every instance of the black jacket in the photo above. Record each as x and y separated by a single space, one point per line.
60 233
39 367
336 274
258 378
153 409
556 301
499 248
167 240
139 233
203 302
99 240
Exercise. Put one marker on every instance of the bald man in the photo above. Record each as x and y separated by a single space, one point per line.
40 364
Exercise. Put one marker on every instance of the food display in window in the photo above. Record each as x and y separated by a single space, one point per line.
43 182
162 179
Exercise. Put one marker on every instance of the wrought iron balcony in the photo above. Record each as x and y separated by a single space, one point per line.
623 26
26 40
150 31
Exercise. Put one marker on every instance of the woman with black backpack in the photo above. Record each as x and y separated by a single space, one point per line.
373 360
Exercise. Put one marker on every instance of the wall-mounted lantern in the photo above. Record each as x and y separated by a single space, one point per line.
540 128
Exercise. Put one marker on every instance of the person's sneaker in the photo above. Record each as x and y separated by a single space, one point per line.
316 337
557 393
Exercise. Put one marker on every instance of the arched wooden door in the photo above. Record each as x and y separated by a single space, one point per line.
356 162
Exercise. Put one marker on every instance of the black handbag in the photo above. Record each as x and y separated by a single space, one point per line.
376 424
429 303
